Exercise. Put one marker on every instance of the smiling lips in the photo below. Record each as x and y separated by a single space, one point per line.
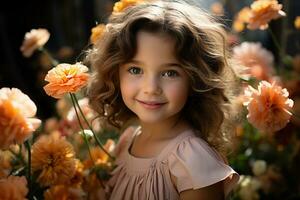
151 104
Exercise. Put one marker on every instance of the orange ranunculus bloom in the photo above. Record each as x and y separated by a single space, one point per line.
97 32
258 61
53 158
17 120
13 188
262 12
241 19
123 4
33 40
268 107
297 22
66 78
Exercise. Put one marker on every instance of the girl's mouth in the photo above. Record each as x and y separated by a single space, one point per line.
151 104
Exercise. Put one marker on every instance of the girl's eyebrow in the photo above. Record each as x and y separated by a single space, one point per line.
171 64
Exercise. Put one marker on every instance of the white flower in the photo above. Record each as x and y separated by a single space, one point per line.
259 167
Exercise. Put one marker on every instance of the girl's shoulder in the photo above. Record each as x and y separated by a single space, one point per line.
189 144
195 164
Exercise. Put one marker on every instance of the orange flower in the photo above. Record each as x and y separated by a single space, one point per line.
241 19
97 32
268 107
297 22
257 60
77 179
123 4
99 156
66 78
13 188
262 12
16 117
63 192
54 159
33 40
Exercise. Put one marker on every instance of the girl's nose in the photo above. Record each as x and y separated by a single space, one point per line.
151 85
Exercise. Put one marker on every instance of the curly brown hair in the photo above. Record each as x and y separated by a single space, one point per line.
201 49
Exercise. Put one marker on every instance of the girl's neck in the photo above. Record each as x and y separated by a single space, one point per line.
163 130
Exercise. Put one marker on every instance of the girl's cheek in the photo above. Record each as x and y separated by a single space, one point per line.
130 84
177 89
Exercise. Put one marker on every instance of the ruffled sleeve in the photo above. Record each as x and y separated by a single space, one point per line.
195 165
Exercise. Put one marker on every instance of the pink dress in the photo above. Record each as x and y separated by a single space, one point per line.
187 157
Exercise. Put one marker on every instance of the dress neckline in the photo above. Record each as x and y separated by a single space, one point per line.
170 144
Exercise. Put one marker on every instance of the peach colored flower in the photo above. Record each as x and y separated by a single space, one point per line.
268 107
53 158
97 32
33 40
258 61
297 22
17 120
262 12
241 18
123 4
13 188
64 192
66 78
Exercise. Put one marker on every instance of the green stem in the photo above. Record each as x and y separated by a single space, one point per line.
27 145
19 157
90 127
53 61
281 53
83 133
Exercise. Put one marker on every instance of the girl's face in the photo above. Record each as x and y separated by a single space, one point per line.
153 85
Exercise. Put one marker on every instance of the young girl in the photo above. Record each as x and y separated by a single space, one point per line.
165 64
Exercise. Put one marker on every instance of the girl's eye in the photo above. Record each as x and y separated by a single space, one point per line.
134 70
170 73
